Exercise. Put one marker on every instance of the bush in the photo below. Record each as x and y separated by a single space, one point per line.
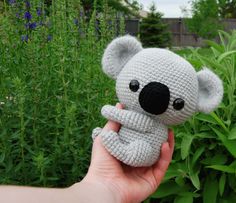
153 32
204 164
51 91
205 20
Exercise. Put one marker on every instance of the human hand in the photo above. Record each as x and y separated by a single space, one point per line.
129 184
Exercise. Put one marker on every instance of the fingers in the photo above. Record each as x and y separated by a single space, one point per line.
161 166
167 149
98 150
171 140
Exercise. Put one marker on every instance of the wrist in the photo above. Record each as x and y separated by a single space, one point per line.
95 191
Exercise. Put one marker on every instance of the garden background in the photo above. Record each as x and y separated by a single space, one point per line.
52 89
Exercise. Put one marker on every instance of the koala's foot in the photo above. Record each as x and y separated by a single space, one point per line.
142 154
138 153
96 131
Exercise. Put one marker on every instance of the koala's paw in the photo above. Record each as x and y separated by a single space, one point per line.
140 154
107 111
96 131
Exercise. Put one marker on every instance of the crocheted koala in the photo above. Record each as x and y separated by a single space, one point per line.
158 88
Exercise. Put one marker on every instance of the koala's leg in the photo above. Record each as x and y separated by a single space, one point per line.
96 131
138 153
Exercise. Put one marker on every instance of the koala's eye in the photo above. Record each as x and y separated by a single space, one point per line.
134 85
178 104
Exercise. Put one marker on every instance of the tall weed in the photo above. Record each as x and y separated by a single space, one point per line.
51 89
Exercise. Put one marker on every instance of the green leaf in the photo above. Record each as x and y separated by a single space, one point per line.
206 118
229 144
232 44
147 200
204 135
204 128
2 157
171 173
195 180
215 52
185 146
169 188
224 55
197 154
233 164
227 169
218 159
232 182
180 180
212 145
193 174
211 63
210 191
232 134
193 194
219 121
215 45
222 184
184 199
223 35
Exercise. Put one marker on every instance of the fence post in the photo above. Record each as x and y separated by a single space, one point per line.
180 32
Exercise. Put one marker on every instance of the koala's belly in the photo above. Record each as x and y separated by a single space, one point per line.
155 138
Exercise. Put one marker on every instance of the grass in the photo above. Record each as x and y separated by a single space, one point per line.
188 51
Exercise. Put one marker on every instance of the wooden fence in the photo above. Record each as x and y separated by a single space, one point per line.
179 31
181 36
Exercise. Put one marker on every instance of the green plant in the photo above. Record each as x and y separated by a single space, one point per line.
205 20
153 32
51 90
127 7
204 164
227 8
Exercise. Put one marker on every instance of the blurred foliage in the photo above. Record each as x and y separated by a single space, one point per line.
203 168
207 15
205 20
127 7
227 8
154 32
51 90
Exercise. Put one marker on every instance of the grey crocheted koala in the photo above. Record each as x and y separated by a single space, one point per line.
158 88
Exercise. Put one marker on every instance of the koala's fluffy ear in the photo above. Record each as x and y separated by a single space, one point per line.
210 91
118 53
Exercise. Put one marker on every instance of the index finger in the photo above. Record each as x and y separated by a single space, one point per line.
162 164
171 140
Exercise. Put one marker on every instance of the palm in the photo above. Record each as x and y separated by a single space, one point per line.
135 184
138 183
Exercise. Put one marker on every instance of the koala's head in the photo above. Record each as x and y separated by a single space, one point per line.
158 82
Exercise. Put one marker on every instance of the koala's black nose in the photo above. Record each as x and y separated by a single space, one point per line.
154 98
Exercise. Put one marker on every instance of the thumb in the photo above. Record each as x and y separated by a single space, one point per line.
98 151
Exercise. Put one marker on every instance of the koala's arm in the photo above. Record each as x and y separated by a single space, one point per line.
129 119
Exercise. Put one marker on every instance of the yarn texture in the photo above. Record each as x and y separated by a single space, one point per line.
158 88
